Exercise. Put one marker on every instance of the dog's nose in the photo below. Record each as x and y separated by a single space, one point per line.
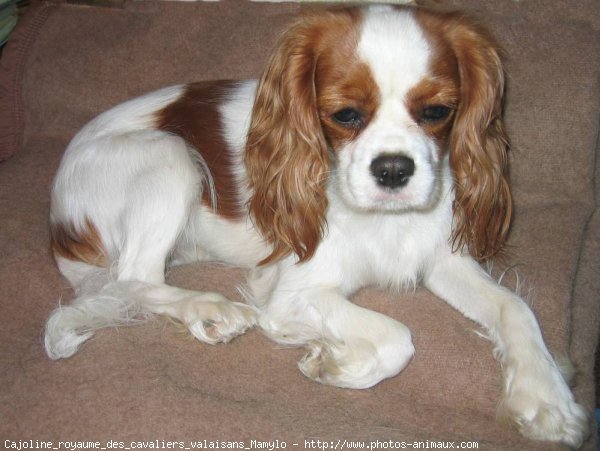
392 171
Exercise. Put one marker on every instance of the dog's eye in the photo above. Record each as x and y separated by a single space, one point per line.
435 113
348 117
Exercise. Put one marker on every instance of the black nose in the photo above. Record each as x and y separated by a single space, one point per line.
392 171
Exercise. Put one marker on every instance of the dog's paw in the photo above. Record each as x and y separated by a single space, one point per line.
333 365
542 407
219 320
351 366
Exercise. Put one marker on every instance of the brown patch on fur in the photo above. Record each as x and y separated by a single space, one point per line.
429 92
440 88
343 81
478 144
307 78
195 118
84 245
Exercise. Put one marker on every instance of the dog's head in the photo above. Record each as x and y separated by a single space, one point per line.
379 97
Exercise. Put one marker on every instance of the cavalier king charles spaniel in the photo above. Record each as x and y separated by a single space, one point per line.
370 152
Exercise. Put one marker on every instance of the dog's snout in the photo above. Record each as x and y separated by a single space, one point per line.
392 171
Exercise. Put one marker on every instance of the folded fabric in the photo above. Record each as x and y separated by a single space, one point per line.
8 18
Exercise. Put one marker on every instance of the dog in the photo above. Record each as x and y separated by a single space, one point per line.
370 152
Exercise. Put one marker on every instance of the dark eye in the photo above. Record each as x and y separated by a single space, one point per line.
348 117
434 113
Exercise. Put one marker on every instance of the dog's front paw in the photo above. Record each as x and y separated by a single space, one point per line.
540 404
351 366
218 321
333 364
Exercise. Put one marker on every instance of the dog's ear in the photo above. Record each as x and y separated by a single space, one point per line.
286 153
478 144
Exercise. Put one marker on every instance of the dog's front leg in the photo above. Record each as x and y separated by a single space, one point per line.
536 396
348 346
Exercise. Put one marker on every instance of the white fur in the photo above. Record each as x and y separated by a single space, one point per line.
140 187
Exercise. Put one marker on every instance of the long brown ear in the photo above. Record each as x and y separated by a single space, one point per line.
286 153
479 146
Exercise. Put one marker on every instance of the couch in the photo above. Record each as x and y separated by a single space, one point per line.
152 384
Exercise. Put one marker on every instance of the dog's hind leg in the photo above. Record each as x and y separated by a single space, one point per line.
157 197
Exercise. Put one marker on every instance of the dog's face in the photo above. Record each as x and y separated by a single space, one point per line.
386 107
378 97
